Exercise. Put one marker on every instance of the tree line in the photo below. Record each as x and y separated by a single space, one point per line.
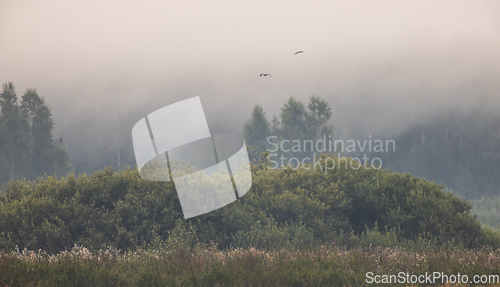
27 149
461 150
297 121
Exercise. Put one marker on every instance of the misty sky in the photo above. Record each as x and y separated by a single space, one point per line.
388 63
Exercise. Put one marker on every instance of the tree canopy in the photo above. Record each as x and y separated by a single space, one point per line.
295 122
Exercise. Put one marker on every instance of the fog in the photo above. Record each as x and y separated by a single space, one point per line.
382 65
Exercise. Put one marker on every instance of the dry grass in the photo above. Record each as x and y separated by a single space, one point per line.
208 266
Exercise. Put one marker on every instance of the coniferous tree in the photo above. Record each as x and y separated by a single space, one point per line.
28 150
12 137
38 132
296 122
256 130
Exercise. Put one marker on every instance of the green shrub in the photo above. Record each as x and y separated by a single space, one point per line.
284 208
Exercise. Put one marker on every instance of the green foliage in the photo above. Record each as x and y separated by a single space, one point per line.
461 150
284 208
295 122
27 148
256 130
12 139
319 114
487 210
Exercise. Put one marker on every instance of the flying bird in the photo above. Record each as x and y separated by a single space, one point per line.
265 75
298 52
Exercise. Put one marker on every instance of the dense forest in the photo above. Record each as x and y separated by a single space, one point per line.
459 150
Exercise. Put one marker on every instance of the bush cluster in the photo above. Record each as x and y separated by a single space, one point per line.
285 208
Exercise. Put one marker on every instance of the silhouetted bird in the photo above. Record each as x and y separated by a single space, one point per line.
298 52
265 75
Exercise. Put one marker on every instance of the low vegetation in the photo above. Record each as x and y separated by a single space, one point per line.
294 227
202 266
286 208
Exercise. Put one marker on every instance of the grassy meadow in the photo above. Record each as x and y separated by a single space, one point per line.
209 266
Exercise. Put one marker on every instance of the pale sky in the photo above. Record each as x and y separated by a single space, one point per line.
395 60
